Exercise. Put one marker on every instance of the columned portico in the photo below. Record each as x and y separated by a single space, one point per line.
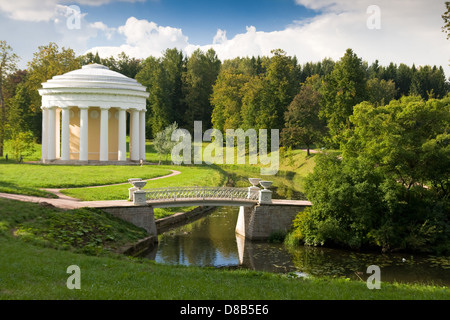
84 116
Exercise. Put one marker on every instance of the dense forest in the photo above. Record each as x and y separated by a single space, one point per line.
309 103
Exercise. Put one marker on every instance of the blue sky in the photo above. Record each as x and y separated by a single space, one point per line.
399 31
200 20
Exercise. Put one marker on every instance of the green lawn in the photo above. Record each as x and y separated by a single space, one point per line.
190 176
28 178
31 268
31 272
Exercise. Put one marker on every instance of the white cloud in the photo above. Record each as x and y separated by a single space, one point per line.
410 33
109 32
36 11
144 38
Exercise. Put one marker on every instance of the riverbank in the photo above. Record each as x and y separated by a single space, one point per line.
33 269
32 272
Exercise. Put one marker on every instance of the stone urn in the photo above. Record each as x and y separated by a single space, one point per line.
254 181
133 188
265 184
139 184
139 195
253 190
134 179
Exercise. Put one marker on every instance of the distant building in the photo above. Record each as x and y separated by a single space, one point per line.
84 116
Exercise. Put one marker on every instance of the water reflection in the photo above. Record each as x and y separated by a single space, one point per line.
211 241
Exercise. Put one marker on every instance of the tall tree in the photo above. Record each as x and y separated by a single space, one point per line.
343 88
283 82
302 123
160 113
163 79
429 82
47 62
8 61
201 73
227 100
403 80
174 64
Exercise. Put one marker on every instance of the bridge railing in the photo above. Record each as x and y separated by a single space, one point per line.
203 193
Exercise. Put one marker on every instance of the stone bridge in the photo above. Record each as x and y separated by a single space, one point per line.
259 214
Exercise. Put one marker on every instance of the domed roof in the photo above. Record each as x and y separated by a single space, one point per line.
93 85
93 76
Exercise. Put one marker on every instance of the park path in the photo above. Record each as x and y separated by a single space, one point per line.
66 202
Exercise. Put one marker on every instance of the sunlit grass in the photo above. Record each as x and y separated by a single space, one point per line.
190 176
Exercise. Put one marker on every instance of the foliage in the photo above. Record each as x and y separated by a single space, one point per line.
390 188
163 79
343 88
163 141
201 73
47 62
302 123
86 230
8 61
227 100
446 18
380 92
21 144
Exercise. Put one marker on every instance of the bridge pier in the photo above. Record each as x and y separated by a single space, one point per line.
260 221
141 216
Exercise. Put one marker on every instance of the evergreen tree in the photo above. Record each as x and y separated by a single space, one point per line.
343 88
201 73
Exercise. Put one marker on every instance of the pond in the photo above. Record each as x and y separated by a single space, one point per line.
211 241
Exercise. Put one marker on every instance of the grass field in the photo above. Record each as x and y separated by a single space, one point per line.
31 269
190 176
29 178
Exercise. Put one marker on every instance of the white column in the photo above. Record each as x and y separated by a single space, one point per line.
51 141
122 136
142 134
84 138
57 134
104 156
134 143
44 150
65 134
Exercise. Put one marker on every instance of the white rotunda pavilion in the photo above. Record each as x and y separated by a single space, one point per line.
84 116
